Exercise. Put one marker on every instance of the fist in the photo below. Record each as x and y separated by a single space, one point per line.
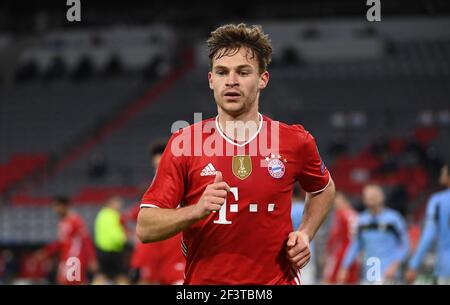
213 197
298 250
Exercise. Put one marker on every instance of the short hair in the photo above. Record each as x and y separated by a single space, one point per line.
157 148
62 200
228 39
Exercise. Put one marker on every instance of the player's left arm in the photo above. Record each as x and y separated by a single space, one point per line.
426 240
316 181
317 206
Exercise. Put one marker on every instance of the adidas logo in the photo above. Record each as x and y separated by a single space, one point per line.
209 170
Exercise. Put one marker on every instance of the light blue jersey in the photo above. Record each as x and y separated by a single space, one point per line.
382 238
309 271
297 213
296 216
437 226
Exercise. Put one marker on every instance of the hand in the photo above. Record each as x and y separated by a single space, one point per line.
298 250
213 197
391 271
410 276
342 276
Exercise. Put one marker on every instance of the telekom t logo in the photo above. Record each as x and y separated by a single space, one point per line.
234 208
223 210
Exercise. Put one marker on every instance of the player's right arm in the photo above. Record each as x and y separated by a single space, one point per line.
426 240
155 224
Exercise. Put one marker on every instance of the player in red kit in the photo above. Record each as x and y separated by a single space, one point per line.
234 176
341 233
157 263
160 262
74 247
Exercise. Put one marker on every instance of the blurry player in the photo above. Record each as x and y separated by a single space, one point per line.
437 226
341 232
382 238
160 262
236 206
74 246
110 241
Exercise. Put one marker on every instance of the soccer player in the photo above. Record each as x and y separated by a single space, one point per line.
437 226
341 233
110 241
382 237
74 246
160 262
234 175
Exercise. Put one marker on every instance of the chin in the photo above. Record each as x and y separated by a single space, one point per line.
234 111
232 107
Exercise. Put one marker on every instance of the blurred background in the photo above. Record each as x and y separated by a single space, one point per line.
82 103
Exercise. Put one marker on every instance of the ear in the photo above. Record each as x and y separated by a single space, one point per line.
210 80
263 80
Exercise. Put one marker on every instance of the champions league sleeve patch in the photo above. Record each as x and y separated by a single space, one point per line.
322 164
322 167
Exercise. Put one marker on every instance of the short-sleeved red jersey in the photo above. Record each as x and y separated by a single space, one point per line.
161 262
341 234
73 241
244 242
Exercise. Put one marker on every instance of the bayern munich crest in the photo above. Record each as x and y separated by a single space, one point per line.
275 166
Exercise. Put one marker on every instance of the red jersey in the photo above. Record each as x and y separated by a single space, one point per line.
341 233
244 242
161 262
73 241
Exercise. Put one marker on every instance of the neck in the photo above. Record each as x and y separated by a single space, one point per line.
239 127
376 210
252 115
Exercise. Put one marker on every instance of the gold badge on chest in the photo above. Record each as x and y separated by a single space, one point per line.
242 166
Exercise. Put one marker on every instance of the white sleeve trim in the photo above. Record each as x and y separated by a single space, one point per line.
319 191
146 205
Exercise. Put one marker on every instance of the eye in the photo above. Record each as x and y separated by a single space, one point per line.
244 73
220 72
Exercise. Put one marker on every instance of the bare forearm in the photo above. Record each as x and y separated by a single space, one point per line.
317 207
155 224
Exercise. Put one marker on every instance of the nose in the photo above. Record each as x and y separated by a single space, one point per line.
232 79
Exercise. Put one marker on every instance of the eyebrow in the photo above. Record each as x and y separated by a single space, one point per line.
238 67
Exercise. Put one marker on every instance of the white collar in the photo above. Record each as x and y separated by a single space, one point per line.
231 141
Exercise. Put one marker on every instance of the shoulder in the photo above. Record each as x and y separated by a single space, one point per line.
75 219
205 126
393 214
184 140
363 217
440 195
436 199
294 131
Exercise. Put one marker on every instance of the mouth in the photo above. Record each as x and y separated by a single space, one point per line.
232 95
